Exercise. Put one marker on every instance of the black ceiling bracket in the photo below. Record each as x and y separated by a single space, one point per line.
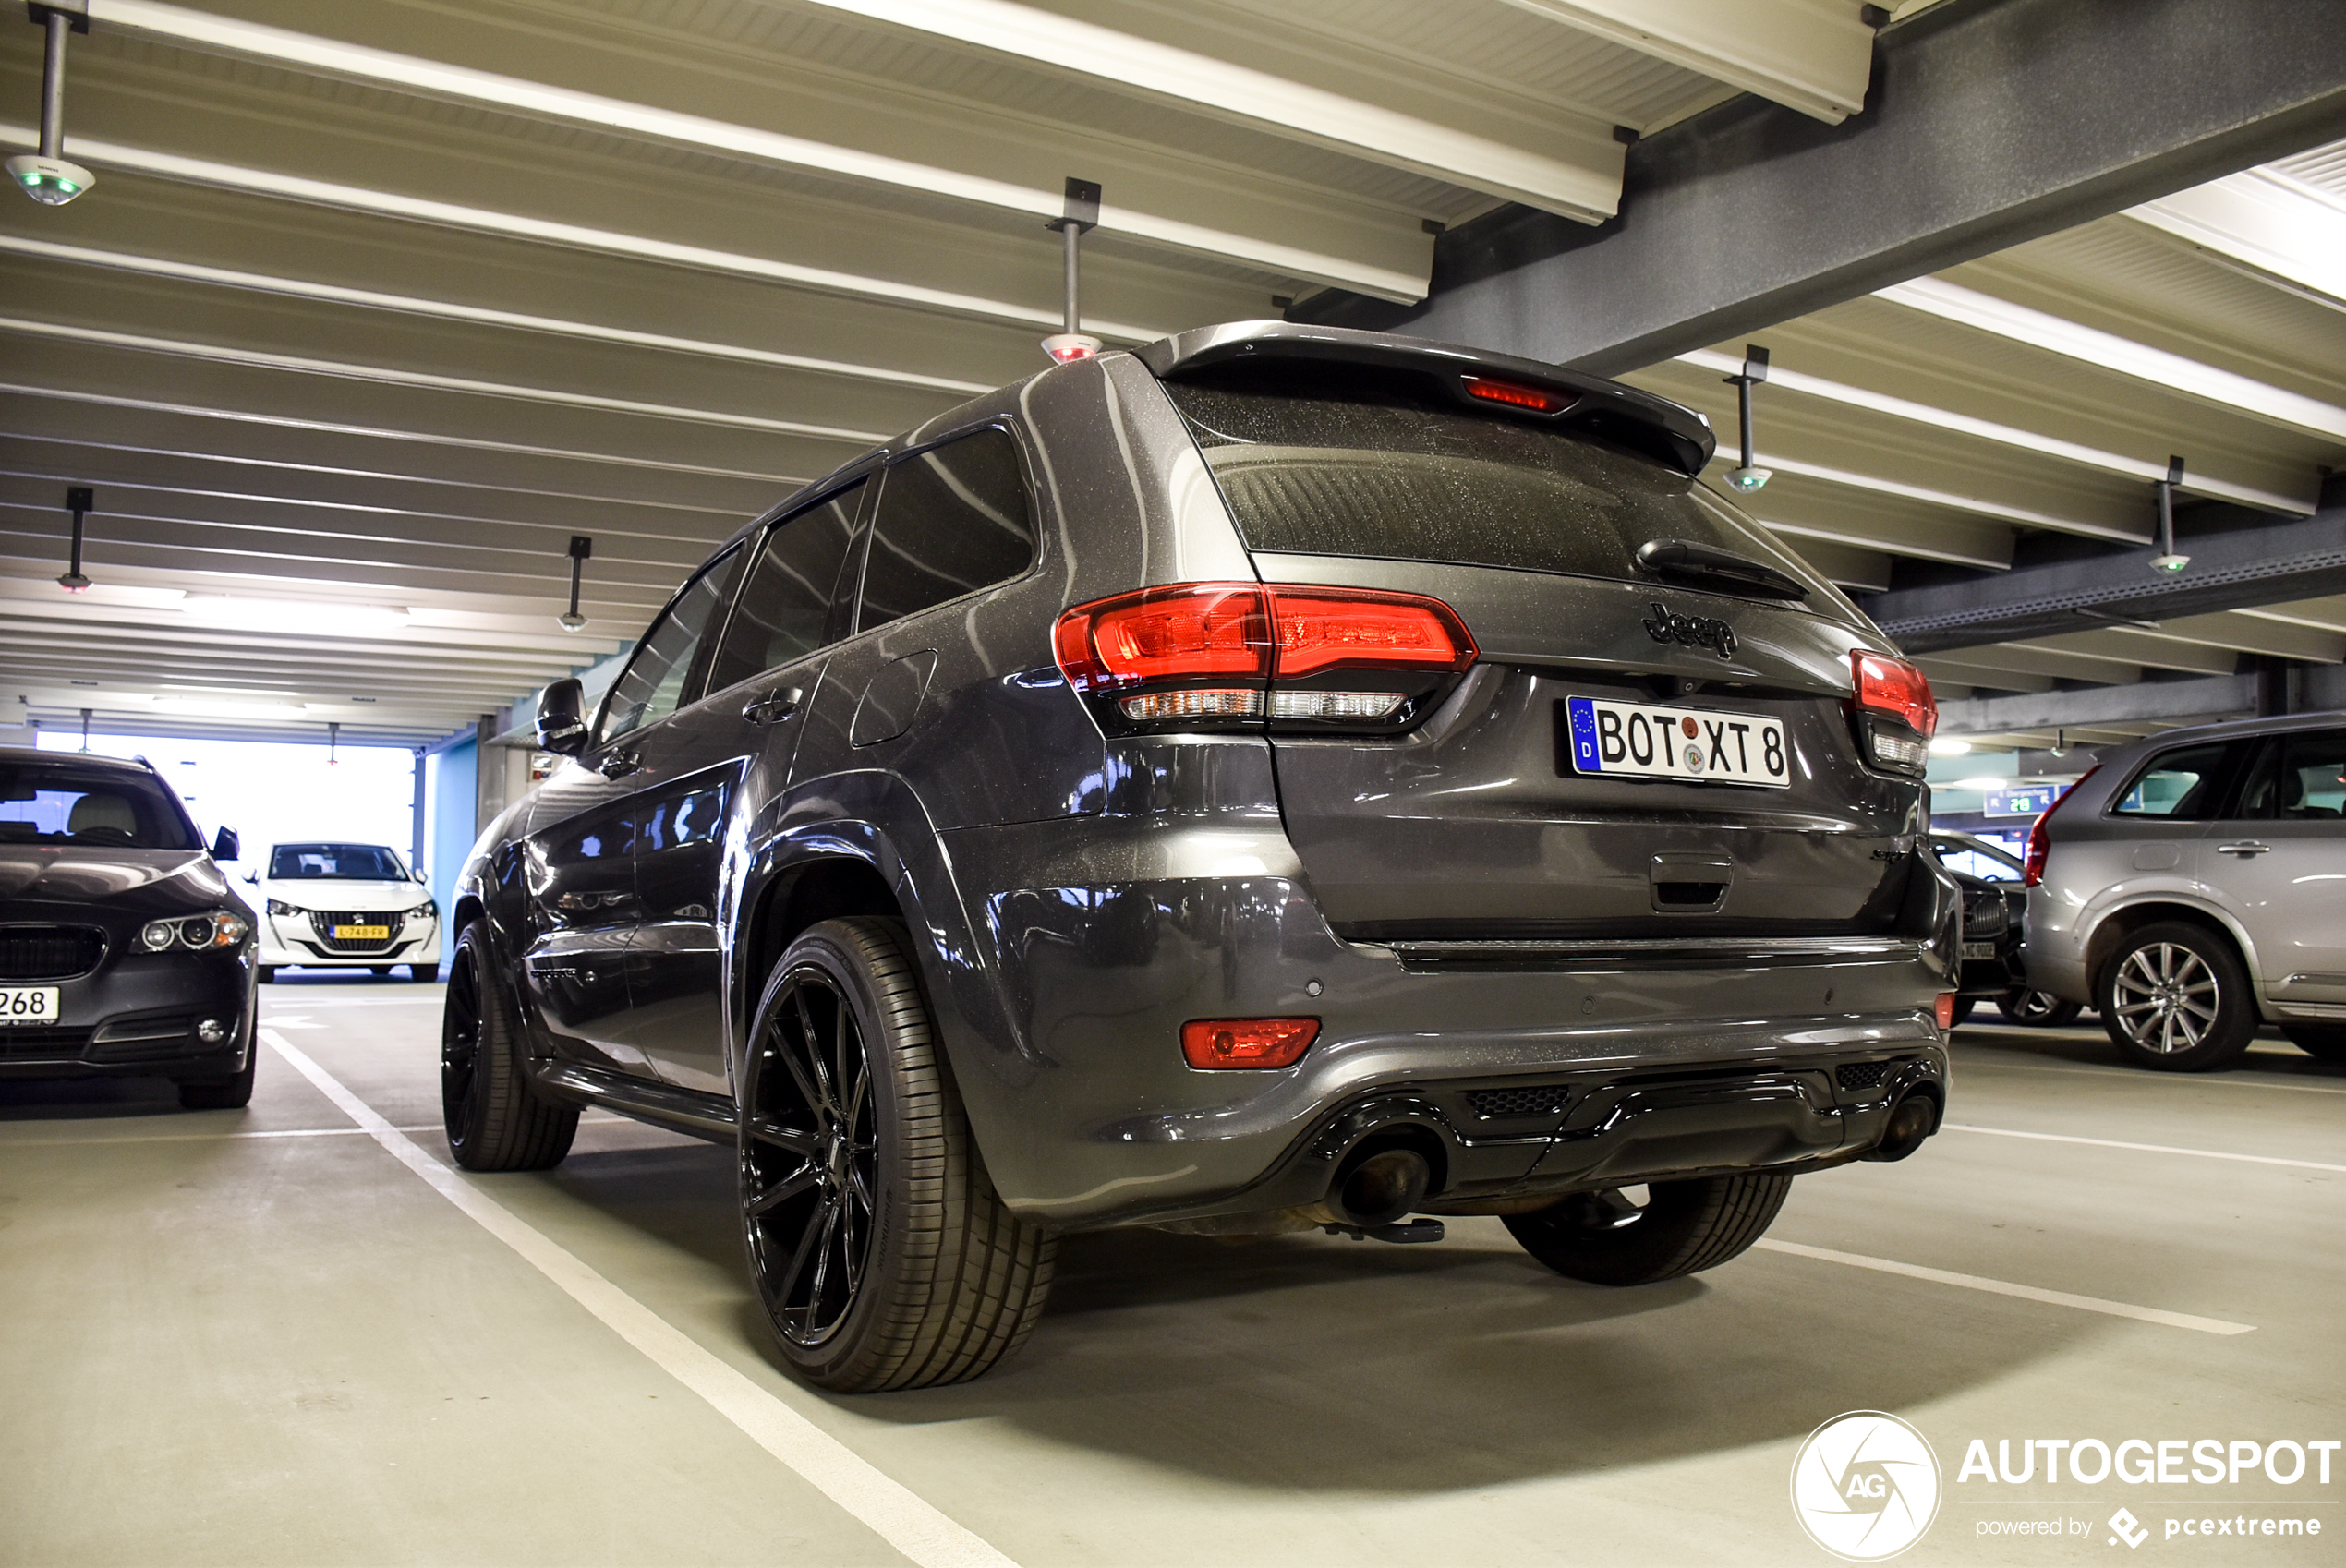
1748 476
1080 212
581 549
81 501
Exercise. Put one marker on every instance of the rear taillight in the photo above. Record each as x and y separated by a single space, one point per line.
2032 862
1217 654
1896 712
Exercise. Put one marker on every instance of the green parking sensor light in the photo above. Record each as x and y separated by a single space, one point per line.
46 175
1748 476
2167 560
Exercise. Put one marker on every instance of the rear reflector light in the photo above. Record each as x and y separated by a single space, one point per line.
1945 1009
1247 1042
1893 687
1514 395
1207 637
2032 864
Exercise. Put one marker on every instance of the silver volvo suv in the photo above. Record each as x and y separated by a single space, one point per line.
2194 884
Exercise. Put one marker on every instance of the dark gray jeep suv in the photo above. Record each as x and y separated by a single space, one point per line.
1281 778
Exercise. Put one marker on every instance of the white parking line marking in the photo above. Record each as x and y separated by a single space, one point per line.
2004 1288
2135 1075
890 1509
2145 1148
591 1119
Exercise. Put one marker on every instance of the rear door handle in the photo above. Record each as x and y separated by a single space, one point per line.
2244 849
774 705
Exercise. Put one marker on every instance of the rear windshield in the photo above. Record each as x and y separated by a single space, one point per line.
1357 461
336 862
60 803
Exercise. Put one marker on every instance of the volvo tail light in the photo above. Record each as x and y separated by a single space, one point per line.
2032 862
1896 712
1217 654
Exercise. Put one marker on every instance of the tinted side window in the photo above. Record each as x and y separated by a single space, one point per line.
785 604
952 521
2184 785
649 688
2299 779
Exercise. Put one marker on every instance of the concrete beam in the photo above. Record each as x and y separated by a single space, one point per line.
2209 697
2231 571
1988 124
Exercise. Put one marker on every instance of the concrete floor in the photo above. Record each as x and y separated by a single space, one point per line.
256 1338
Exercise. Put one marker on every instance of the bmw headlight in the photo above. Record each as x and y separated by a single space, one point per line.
203 932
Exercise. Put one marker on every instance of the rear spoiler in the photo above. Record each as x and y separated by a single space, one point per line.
1669 431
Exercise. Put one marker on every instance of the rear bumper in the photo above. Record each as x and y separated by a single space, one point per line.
1675 1057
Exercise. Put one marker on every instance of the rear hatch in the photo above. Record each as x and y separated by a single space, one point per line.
1552 793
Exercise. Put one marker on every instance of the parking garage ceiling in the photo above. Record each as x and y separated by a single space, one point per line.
374 307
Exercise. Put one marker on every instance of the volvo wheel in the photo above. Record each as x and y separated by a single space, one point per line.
1681 1227
496 1118
2175 998
2037 1009
878 1249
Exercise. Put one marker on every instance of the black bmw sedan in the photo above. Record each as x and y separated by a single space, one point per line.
123 952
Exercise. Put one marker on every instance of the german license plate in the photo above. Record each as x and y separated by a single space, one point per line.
362 934
1691 745
28 1003
1978 950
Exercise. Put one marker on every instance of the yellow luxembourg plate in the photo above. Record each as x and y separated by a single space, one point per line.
362 933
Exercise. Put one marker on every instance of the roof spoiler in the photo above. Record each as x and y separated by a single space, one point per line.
1669 431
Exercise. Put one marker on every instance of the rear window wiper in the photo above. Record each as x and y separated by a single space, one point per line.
1721 571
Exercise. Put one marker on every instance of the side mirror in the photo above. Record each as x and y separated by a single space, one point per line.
253 877
423 876
224 845
562 723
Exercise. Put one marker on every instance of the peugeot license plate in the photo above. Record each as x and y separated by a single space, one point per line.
1691 745
362 934
28 1003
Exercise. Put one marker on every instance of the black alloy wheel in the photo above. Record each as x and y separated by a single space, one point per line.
1682 1227
2037 1009
877 1247
2175 998
495 1117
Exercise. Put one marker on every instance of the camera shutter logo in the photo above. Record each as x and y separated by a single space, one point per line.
1865 1486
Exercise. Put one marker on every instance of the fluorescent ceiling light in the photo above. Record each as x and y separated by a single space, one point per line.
2195 482
219 707
1949 746
1982 785
295 615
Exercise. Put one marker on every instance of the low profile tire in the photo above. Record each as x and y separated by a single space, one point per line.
269 974
1685 1227
877 1245
2324 1042
1961 1011
2175 998
495 1116
2037 1009
231 1093
423 974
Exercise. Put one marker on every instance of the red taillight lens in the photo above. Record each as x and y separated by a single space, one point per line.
1893 687
1945 1010
1198 632
1247 1042
1194 631
2032 861
1516 395
1317 629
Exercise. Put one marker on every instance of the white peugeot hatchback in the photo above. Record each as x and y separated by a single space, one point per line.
345 906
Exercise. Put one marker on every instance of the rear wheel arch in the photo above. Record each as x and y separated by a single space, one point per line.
2109 938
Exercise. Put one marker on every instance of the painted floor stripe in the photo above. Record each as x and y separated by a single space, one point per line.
588 1120
2144 1148
2137 1074
2004 1288
889 1508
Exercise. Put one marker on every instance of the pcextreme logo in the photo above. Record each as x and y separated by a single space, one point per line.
1865 1486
